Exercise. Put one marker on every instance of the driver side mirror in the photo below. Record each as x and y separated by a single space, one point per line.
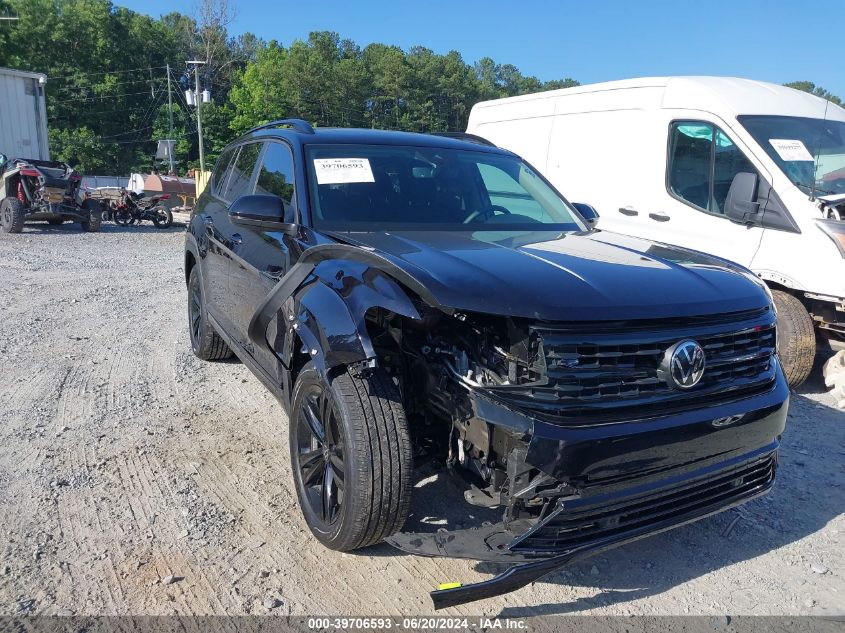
264 211
740 204
587 212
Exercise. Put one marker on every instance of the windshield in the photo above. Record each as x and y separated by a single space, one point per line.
811 152
388 187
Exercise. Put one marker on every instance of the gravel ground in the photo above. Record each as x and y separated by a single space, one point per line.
136 479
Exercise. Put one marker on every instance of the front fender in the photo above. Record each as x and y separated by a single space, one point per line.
324 298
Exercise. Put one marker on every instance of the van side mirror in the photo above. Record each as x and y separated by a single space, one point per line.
740 204
264 210
587 212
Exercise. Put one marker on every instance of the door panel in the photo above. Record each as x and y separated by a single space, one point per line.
701 163
263 255
240 182
215 221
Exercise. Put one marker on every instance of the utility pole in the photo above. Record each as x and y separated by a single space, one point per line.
170 141
197 64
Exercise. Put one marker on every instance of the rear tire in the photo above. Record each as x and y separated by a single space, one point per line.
12 215
163 217
206 343
364 458
796 338
95 216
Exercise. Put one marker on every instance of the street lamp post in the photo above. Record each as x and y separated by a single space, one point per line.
197 64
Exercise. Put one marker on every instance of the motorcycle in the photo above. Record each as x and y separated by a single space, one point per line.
136 207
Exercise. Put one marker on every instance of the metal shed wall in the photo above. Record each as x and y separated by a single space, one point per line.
23 115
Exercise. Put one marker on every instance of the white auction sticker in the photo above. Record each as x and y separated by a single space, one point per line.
337 171
790 149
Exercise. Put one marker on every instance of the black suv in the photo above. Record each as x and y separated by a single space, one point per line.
423 302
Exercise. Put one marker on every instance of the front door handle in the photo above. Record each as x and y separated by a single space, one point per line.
659 217
628 211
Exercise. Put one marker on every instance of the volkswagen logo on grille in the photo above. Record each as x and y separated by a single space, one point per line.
683 365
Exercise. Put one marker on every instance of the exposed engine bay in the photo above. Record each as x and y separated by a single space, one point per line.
439 361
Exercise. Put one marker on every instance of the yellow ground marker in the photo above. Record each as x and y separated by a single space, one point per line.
449 585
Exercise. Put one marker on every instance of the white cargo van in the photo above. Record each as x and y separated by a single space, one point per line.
750 171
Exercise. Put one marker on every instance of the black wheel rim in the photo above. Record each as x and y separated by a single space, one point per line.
195 313
320 455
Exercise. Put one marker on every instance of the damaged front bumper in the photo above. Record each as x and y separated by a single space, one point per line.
618 483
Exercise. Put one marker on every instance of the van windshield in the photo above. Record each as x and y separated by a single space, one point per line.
811 152
388 187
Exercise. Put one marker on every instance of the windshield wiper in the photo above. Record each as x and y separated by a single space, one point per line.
813 190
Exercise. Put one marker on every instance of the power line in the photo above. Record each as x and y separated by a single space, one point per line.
109 85
106 72
99 97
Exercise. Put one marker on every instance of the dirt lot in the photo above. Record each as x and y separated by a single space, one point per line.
125 460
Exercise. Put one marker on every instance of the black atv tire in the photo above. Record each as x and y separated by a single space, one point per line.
12 215
206 343
163 218
364 456
56 221
796 338
95 216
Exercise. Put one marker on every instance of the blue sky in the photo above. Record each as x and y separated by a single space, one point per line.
773 40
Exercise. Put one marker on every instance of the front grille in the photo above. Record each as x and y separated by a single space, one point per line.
601 373
583 521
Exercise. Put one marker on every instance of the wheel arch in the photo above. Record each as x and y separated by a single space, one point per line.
322 302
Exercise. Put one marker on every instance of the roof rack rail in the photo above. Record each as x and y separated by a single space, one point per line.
465 136
297 124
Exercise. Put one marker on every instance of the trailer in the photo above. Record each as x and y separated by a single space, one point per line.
23 115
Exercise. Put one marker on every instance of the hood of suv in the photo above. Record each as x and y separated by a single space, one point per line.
560 277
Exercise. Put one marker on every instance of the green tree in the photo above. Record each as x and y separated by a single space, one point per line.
809 86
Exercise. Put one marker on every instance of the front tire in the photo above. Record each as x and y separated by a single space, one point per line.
12 215
206 343
796 338
351 456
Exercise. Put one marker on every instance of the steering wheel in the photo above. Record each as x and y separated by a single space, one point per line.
490 211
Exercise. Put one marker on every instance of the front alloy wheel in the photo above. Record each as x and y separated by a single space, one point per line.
351 455
319 456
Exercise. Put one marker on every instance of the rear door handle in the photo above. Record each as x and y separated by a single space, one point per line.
660 217
236 239
628 211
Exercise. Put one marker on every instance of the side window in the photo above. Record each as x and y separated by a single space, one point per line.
239 182
703 161
221 169
276 176
505 192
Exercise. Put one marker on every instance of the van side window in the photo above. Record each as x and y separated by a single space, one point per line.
703 161
276 176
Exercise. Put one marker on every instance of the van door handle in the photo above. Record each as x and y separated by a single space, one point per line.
660 216
628 211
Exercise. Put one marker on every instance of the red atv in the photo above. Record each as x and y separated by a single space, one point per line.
43 190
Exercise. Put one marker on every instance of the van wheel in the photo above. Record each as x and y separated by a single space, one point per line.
351 456
796 338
